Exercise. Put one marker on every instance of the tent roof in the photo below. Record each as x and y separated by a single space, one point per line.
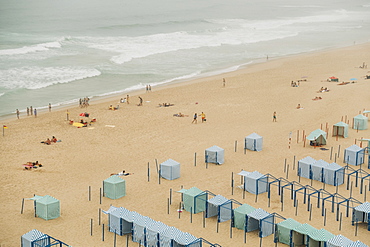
182 191
33 235
143 221
47 200
360 116
245 209
218 200
305 229
308 159
321 235
244 173
214 148
354 147
357 244
364 207
340 240
259 214
315 134
157 227
171 232
333 166
341 124
320 163
35 198
255 175
170 162
193 191
114 179
184 238
289 223
130 217
110 210
254 136
120 212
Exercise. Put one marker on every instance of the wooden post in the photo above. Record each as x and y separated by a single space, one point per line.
325 218
191 215
285 166
287 172
331 152
102 232
148 172
100 195
204 219
338 150
156 165
310 211
89 193
231 229
232 183
297 136
91 227
296 207
340 222
127 240
304 141
168 205
99 216
115 238
195 159
170 196
356 228
236 144
159 178
23 205
217 225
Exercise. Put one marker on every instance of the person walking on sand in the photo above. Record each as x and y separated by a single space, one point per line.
49 107
128 99
140 102
195 118
223 82
17 112
274 117
203 117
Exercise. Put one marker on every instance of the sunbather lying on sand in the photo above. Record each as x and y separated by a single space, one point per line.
316 98
123 173
30 165
180 115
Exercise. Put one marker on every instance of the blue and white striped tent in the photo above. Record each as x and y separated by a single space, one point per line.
139 225
153 233
255 183
284 231
357 244
253 142
300 234
186 239
240 215
33 237
170 169
166 237
319 237
116 223
354 155
360 122
128 219
260 220
338 241
194 200
334 174
304 167
361 213
219 206
317 170
215 155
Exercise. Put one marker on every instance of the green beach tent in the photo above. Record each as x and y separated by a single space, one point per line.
114 187
360 122
240 215
284 230
300 234
340 129
317 137
194 200
319 237
47 207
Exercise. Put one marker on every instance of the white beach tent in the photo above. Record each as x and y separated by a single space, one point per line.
153 233
317 170
357 244
170 169
219 206
360 122
215 155
284 230
340 129
253 142
116 223
185 239
334 174
166 237
256 183
317 137
139 225
304 166
354 155
33 237
338 241
319 238
361 213
260 220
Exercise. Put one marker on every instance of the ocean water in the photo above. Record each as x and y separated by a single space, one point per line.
59 51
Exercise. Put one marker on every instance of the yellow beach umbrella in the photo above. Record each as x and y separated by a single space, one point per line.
78 124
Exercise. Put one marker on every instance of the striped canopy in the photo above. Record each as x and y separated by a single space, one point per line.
338 241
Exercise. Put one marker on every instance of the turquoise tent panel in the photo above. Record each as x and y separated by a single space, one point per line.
300 234
114 187
48 207
284 230
240 215
317 137
319 237
340 129
195 200
360 122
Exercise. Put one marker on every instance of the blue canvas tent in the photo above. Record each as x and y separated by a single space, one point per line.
166 237
116 223
153 232
340 129
170 169
300 234
253 142
354 155
33 237
139 225
361 213
304 166
317 170
334 174
360 122
255 183
338 241
260 220
240 216
317 137
284 231
215 155
194 200
219 206
319 237
114 187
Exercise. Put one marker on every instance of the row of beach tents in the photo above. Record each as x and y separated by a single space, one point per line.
35 238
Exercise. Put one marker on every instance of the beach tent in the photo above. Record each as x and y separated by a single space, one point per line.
261 220
215 155
333 78
357 244
317 170
220 206
33 237
338 241
360 122
354 155
256 183
170 169
300 234
284 230
153 232
319 238
304 167
139 226
334 174
317 137
166 237
240 215
361 213
195 200
340 129
116 222
114 187
253 142
185 239
128 219
47 207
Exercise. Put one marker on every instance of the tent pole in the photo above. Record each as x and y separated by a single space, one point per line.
23 204
148 172
236 144
170 196
91 227
168 205
340 222
102 232
89 193
325 218
100 193
195 159
232 183
156 165
99 216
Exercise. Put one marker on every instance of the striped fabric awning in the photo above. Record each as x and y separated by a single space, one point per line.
32 235
185 238
357 244
305 229
218 200
339 240
364 207
321 235
258 214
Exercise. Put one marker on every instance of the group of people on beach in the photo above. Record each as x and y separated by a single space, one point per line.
50 141
202 115
30 165
84 102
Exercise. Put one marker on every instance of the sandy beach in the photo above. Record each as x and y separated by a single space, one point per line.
134 136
